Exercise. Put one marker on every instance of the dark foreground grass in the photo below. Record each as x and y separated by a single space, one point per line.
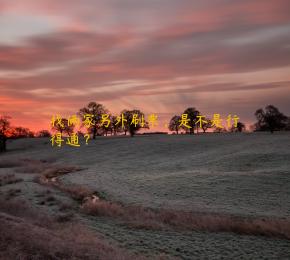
27 234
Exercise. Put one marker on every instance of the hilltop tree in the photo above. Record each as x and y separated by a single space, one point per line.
63 126
115 127
131 125
5 128
270 119
192 114
95 110
174 124
107 126
206 125
239 128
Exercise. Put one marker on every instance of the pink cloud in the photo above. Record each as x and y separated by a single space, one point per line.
156 43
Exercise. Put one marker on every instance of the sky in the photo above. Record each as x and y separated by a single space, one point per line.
159 56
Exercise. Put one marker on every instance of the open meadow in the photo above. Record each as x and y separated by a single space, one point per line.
217 196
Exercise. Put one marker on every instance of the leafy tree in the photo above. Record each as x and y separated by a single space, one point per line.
5 128
192 114
96 110
270 119
174 124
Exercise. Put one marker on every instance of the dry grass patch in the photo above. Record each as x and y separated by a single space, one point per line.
146 218
27 234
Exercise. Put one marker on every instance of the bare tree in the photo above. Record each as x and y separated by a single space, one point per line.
63 126
95 110
270 119
206 125
115 127
106 127
134 126
4 131
174 124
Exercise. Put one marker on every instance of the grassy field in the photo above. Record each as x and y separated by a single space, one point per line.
203 196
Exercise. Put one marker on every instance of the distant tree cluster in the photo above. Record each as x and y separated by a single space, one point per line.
192 116
268 119
100 122
115 123
21 132
7 131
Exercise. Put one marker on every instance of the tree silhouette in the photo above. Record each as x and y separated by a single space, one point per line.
105 128
4 131
174 124
270 119
206 125
192 114
43 133
21 132
115 127
288 124
96 110
63 126
239 128
129 125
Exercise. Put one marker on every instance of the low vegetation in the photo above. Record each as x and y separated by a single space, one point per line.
27 234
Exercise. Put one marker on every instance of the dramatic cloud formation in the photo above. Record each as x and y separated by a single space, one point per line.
157 55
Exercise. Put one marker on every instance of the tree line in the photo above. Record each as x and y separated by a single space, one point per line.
268 119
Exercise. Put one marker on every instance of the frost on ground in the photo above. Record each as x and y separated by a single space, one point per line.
244 175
